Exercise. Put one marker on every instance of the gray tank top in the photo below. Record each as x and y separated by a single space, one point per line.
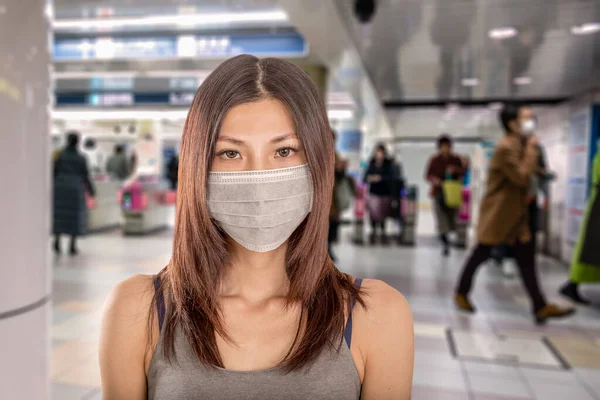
333 375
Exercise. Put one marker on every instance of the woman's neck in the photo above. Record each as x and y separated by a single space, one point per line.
255 276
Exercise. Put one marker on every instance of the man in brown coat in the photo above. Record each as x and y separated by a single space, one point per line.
503 213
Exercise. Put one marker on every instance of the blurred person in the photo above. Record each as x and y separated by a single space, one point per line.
173 171
250 305
503 214
378 176
397 184
585 262
538 184
344 191
117 166
71 181
442 166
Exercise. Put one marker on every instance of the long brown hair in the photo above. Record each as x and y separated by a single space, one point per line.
200 251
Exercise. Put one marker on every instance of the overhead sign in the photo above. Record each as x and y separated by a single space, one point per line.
182 46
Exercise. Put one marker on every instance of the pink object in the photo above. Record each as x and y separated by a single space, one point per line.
89 201
360 204
135 198
464 213
171 197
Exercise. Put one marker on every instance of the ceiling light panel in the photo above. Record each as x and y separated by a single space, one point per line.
187 20
502 33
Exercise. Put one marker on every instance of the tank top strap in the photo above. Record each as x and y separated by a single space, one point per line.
348 331
160 302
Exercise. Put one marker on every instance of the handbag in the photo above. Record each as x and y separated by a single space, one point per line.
452 193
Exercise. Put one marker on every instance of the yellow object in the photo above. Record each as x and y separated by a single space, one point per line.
452 193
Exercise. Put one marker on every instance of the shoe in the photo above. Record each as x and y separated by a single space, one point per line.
508 269
74 251
446 251
552 311
463 303
570 291
56 247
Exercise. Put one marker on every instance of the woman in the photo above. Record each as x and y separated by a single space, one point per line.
585 266
250 305
71 180
379 175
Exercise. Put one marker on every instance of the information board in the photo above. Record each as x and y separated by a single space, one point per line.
577 172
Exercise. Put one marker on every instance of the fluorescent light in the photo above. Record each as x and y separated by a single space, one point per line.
586 29
340 114
168 20
469 81
523 80
502 33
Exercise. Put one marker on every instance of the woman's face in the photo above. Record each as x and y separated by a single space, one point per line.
379 155
257 136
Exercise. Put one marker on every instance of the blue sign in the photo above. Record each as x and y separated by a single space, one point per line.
194 46
349 141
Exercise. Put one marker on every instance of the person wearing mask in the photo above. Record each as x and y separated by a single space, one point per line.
71 181
442 166
378 176
250 305
585 262
538 184
117 166
503 212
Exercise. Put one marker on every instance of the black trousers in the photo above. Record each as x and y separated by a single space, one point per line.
524 255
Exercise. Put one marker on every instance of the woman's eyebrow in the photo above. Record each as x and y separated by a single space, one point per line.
283 138
231 140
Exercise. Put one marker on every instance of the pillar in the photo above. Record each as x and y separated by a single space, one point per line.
24 200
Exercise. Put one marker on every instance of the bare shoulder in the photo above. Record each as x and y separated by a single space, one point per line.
131 296
125 314
385 304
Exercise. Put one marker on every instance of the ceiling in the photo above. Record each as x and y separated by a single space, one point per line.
437 50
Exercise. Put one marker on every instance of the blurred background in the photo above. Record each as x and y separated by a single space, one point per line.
393 72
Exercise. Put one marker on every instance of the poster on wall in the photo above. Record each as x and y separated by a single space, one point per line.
577 172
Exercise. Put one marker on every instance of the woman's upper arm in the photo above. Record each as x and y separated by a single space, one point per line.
124 339
389 352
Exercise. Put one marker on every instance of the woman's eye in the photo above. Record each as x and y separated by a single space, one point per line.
285 152
230 154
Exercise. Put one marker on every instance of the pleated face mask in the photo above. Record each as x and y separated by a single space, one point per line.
260 209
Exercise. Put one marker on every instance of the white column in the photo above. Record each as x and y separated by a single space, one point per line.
24 200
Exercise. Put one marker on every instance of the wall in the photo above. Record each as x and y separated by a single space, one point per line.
554 133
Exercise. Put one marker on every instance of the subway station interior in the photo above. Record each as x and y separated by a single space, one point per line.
113 82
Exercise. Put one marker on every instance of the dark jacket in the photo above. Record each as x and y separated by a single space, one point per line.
71 180
386 171
437 167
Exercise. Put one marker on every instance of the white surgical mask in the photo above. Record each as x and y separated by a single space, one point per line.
260 209
528 126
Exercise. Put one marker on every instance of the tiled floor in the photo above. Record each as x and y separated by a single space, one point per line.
497 354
